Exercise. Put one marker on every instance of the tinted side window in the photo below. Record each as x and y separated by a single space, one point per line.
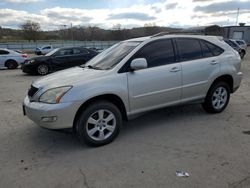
84 51
76 51
205 50
46 48
157 53
189 49
216 50
3 52
64 52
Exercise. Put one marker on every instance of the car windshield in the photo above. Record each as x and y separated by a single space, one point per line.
52 52
112 56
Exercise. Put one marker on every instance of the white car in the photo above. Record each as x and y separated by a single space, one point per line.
11 59
241 43
43 50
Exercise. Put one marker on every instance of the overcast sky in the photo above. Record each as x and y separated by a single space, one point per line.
51 14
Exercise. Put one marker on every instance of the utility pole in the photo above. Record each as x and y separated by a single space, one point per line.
72 36
237 17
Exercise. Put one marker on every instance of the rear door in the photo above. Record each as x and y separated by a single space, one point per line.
158 85
3 57
80 56
199 65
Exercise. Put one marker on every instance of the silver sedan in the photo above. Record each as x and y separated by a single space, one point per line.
11 59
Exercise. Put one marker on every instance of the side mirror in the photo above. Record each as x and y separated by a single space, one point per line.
139 63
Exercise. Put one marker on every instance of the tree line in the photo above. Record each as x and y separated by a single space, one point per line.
32 31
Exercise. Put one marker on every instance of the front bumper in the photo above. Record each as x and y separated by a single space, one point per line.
28 68
62 114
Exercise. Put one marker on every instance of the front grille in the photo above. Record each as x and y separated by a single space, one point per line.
32 91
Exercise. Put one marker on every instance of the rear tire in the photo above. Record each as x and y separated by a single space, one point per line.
242 54
43 69
99 124
11 64
217 98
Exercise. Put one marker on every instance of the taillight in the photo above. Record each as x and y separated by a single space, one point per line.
24 55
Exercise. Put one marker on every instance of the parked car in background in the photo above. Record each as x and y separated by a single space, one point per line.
241 43
236 47
43 50
11 59
58 59
133 77
99 50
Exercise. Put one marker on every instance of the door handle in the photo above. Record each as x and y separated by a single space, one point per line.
214 62
175 69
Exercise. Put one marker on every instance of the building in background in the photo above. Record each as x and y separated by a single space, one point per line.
206 30
237 32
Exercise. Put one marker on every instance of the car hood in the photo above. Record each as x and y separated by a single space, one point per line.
72 76
40 58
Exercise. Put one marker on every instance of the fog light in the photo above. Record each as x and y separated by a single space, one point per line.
49 119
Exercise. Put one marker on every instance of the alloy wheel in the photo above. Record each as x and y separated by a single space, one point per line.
219 98
43 69
101 124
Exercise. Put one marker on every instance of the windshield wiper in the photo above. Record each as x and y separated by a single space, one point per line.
90 67
93 67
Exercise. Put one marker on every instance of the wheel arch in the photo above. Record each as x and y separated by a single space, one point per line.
112 98
227 79
8 60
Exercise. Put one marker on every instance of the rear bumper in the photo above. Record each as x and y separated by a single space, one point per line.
51 116
237 81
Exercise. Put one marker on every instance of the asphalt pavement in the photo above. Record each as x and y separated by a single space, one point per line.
213 149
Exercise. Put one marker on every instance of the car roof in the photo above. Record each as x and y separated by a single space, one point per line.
4 49
65 48
205 37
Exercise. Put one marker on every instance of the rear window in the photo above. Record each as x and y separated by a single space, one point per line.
46 48
4 52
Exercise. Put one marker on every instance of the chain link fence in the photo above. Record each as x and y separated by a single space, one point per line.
31 46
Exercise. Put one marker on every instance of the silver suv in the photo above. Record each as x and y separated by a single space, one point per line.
132 77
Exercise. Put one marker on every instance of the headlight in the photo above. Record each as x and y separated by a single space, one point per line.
30 62
54 95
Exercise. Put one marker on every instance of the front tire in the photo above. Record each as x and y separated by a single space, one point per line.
43 69
217 98
99 124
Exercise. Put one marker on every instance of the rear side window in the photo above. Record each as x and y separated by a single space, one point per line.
216 50
77 51
4 52
189 49
157 53
206 50
64 52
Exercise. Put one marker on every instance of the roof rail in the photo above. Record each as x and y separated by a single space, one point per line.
177 32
